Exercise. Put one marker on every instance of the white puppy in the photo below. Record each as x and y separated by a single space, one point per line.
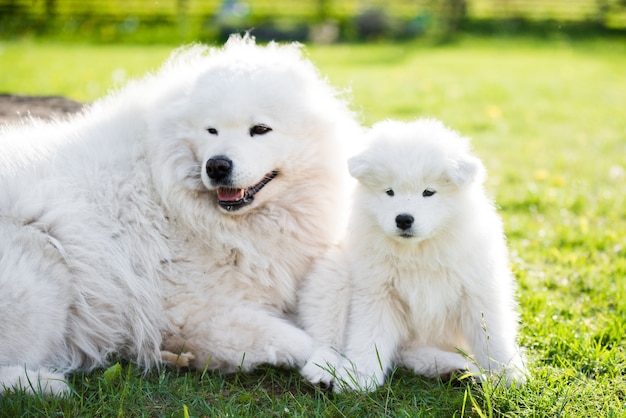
179 213
430 287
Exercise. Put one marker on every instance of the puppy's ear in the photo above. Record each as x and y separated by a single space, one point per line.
466 170
358 165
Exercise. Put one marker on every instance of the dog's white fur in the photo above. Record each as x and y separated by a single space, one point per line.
420 293
113 241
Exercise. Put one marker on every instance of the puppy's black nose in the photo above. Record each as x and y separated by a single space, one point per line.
404 221
218 168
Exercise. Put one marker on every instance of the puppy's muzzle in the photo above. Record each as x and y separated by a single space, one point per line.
404 221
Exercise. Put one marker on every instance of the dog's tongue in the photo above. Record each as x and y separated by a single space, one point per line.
230 195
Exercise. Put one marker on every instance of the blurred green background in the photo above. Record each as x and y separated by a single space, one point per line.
322 21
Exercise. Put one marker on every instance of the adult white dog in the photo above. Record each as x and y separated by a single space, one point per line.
429 270
179 213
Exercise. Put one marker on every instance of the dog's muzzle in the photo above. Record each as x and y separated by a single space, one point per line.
232 199
219 170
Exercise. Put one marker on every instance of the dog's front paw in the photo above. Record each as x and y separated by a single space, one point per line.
293 350
321 368
178 360
38 381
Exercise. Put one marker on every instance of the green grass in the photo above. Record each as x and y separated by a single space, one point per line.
548 120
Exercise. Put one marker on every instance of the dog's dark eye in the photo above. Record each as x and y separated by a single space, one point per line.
428 192
212 131
390 192
259 130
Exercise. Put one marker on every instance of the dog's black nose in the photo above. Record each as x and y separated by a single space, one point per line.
404 221
218 168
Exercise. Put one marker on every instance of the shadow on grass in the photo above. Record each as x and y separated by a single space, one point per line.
124 390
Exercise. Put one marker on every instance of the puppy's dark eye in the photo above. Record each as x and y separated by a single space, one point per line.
428 192
212 131
390 192
259 130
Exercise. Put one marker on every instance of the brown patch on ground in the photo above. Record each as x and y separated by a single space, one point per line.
14 107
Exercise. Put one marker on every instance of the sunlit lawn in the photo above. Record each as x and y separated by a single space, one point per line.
547 117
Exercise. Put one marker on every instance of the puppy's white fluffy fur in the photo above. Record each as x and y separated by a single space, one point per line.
116 240
424 268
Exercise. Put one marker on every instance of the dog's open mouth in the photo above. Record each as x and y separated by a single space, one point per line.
233 199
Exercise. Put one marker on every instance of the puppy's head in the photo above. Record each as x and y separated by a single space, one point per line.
414 178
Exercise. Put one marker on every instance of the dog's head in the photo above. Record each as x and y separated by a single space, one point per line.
414 178
255 122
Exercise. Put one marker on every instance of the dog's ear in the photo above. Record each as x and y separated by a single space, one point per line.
358 165
465 170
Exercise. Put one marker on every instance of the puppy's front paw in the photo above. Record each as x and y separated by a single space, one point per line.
350 378
516 375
